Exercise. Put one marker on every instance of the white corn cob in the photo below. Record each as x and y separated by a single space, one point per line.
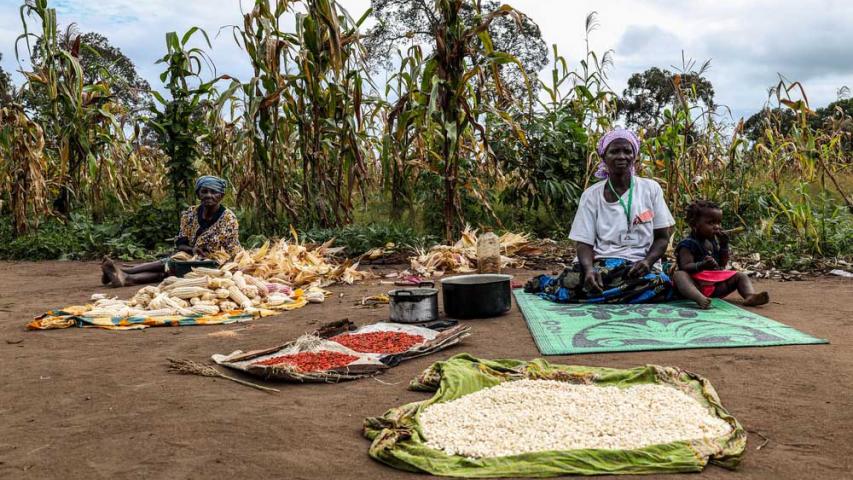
250 291
186 282
166 282
239 280
205 309
259 284
216 283
276 299
222 293
228 305
238 297
188 292
211 272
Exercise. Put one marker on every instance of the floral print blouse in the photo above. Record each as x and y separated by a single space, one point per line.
219 233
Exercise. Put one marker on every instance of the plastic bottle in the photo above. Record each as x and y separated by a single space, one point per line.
488 253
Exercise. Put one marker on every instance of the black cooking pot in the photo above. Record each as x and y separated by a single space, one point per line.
476 296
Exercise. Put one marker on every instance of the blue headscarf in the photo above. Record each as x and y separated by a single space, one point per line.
209 181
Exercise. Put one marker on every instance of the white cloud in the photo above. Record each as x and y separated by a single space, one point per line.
749 43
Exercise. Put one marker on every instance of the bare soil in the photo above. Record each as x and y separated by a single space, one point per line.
86 403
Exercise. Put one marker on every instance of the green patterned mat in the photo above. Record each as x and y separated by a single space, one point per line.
566 329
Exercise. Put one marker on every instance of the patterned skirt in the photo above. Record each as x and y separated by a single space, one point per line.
655 286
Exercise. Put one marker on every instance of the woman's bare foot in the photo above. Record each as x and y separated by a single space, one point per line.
756 299
704 303
113 273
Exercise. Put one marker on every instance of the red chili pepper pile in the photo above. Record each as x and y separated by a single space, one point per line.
378 342
312 361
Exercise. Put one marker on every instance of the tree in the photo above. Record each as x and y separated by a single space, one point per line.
785 119
402 23
757 124
650 93
101 62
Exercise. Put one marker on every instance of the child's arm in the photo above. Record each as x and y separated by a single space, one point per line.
723 240
689 264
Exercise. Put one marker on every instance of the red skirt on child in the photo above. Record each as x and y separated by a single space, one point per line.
707 280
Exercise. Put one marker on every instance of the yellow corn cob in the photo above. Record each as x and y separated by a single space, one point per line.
188 292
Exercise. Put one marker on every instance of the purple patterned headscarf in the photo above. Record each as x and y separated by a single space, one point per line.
605 142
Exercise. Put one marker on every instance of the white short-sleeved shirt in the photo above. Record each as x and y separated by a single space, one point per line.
604 226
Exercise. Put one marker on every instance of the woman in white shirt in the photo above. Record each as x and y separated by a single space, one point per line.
621 229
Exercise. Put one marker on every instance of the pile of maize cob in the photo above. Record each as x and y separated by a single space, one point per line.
292 263
206 291
462 256
526 416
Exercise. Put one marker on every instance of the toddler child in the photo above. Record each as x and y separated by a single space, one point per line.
703 256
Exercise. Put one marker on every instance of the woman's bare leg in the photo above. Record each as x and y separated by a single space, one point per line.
145 267
685 286
151 272
143 278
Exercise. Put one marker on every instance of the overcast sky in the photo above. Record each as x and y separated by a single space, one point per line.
748 43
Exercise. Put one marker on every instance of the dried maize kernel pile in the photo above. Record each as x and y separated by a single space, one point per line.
524 416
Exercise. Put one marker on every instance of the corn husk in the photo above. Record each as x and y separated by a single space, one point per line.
461 257
292 263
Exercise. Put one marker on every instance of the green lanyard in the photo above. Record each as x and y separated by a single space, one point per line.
627 208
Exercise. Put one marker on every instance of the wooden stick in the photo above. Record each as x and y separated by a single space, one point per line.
189 367
766 440
734 230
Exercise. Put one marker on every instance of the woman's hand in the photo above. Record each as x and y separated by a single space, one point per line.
198 252
592 281
639 269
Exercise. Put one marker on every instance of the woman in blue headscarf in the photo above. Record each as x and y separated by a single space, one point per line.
205 229
621 230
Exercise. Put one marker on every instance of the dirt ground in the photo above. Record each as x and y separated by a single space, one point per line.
86 403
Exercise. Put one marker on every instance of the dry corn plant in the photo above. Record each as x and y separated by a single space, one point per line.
77 118
305 110
22 167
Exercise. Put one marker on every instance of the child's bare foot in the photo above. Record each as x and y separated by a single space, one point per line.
105 279
704 303
756 299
